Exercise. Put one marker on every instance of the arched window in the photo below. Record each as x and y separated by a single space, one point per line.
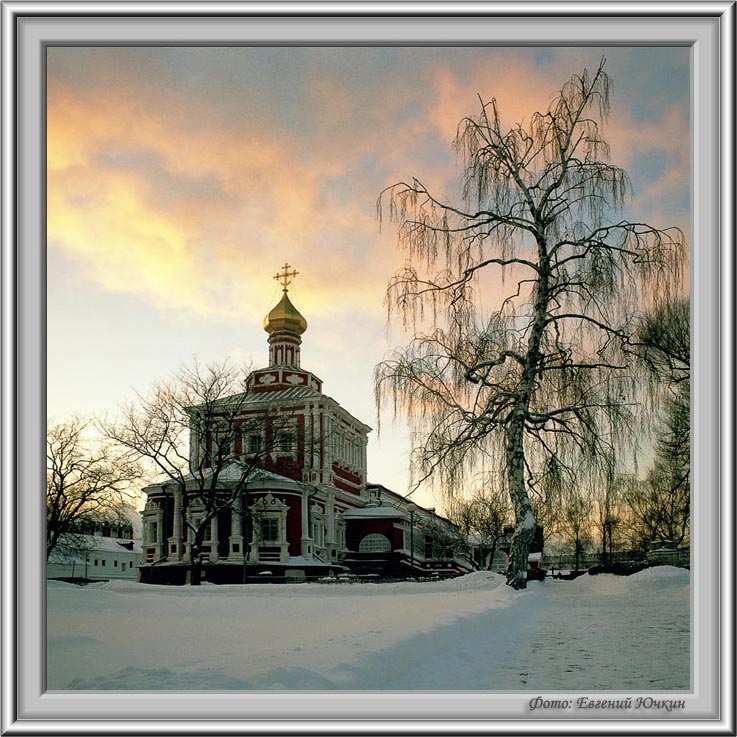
375 543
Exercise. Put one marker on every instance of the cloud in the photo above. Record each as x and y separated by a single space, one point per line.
175 178
171 214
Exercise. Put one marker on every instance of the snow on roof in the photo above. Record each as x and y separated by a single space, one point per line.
374 513
74 546
232 472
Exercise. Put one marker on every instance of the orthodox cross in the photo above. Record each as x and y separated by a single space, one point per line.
284 277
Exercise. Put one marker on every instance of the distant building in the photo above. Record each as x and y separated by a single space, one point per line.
96 556
309 512
483 546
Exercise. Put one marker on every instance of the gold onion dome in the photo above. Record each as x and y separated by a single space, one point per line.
285 318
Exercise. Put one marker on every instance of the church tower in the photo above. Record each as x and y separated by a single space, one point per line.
285 326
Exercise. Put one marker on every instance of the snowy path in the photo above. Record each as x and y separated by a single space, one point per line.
605 634
471 633
597 633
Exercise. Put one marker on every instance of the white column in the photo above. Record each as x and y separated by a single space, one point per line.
364 463
214 539
310 467
330 516
306 542
236 531
328 444
175 541
315 443
160 532
190 536
146 532
194 446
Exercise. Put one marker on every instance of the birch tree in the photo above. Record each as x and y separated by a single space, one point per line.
519 298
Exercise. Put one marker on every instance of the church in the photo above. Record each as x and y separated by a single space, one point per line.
307 511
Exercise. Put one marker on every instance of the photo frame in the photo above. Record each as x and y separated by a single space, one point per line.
29 27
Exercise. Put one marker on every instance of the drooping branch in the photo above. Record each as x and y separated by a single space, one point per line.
520 378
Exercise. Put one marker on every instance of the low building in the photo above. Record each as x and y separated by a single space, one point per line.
94 558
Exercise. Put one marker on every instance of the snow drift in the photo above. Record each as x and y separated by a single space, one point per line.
468 633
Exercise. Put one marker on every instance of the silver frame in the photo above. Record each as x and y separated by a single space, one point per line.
27 27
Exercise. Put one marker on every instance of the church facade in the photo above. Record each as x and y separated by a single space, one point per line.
307 511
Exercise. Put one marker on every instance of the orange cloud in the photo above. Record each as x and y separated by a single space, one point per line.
193 219
152 196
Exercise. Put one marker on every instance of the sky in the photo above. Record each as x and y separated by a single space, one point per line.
179 181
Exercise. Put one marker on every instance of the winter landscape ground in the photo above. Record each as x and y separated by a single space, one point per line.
470 633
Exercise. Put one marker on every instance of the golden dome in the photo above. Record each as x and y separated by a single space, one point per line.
285 318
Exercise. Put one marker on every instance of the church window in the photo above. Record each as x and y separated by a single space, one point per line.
254 443
375 543
284 442
270 529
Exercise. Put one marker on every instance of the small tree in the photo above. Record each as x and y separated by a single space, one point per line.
187 429
486 515
85 482
444 541
521 299
575 518
661 505
611 514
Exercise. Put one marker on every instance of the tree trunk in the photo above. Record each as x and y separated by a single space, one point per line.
524 519
603 546
195 557
491 555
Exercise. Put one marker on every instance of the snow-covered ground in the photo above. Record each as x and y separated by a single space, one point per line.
469 633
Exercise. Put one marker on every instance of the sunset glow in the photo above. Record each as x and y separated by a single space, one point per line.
181 179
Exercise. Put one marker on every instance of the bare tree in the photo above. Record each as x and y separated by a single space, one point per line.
611 514
85 482
661 511
537 379
485 515
663 341
187 430
575 519
660 505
